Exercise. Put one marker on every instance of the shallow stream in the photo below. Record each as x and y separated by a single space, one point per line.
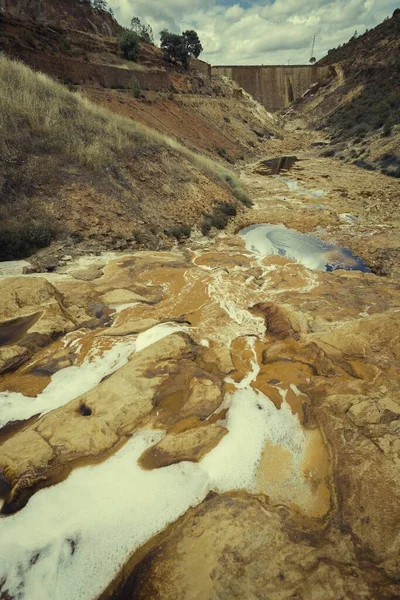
245 303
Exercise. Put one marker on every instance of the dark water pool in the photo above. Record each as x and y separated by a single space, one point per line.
273 166
305 249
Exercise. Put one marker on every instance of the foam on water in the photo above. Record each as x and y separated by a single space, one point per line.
156 333
71 539
294 187
234 300
12 268
305 249
71 382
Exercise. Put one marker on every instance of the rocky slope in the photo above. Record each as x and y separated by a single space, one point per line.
67 14
359 107
105 178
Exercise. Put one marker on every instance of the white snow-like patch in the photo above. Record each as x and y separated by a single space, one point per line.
71 382
71 539
12 268
66 384
269 240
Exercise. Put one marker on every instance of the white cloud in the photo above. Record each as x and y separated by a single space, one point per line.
262 31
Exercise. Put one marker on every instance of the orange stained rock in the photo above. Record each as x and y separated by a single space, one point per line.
242 357
222 259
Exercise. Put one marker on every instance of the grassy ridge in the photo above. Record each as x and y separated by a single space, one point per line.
46 129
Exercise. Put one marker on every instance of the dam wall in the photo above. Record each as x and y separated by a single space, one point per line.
276 87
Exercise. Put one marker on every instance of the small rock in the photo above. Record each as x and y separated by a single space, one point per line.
121 245
47 264
89 274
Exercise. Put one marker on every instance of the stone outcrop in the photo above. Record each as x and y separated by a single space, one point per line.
32 314
191 445
96 423
251 550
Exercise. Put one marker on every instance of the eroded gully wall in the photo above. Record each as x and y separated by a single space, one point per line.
274 86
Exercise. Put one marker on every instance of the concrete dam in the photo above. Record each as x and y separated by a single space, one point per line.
275 86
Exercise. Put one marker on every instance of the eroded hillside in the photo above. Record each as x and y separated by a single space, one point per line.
359 107
67 160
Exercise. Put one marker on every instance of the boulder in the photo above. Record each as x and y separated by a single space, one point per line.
32 314
190 445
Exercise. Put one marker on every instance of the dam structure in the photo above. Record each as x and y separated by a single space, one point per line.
275 86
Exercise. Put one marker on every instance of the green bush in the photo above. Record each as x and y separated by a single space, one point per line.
219 220
228 209
206 225
179 232
19 240
136 90
128 42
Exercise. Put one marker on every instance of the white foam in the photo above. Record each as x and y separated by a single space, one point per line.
12 268
66 384
106 511
71 382
157 333
73 538
234 300
121 307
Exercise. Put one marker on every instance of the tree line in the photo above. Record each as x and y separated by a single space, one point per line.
176 47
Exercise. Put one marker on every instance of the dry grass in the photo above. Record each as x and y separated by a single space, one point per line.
40 118
48 133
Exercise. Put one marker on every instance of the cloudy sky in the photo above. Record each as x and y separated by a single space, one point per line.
243 32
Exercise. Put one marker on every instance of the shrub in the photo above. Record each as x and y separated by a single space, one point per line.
19 240
221 152
228 209
219 220
206 225
395 173
179 232
136 90
387 128
128 42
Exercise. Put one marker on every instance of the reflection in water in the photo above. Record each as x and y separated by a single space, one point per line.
14 330
305 249
274 166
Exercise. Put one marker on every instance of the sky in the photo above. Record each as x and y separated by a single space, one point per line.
256 32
